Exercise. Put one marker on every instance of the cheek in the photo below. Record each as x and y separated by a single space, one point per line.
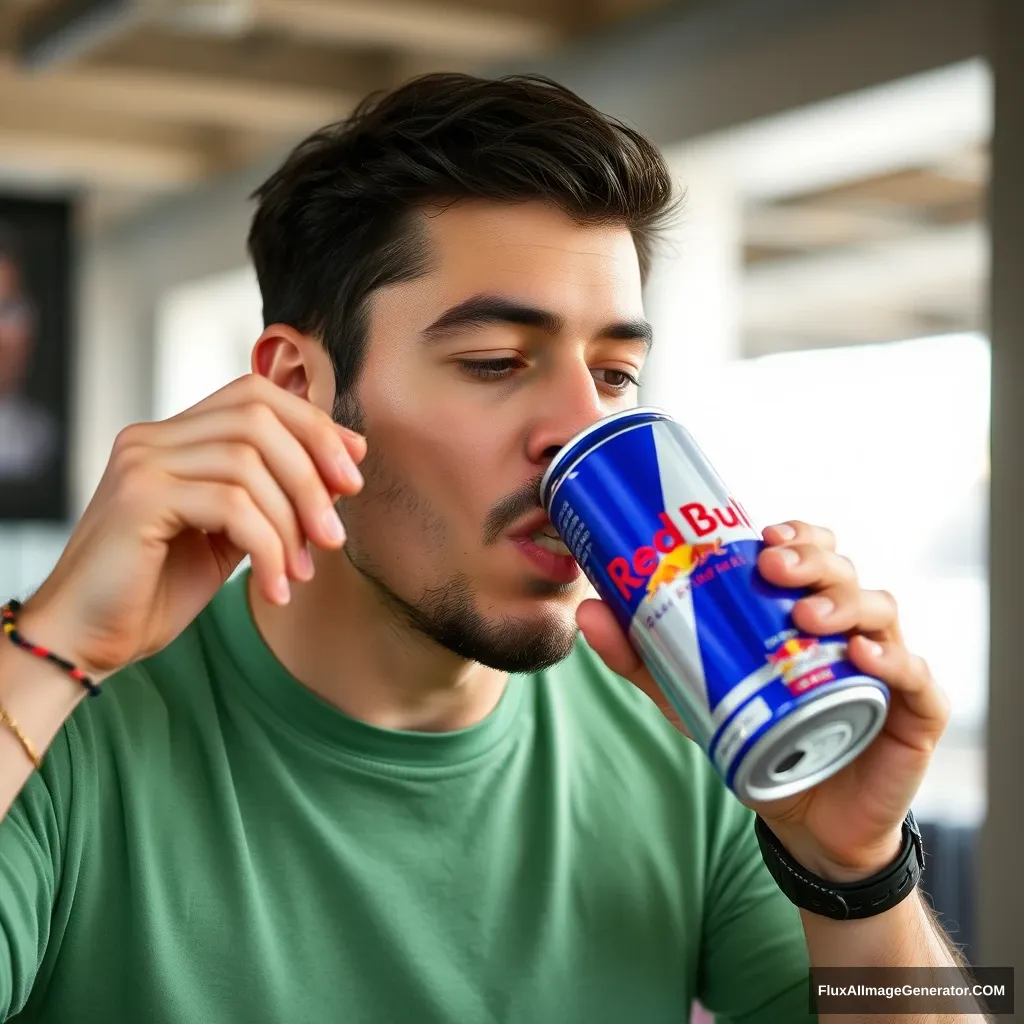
446 455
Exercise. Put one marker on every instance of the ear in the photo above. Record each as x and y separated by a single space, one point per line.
297 363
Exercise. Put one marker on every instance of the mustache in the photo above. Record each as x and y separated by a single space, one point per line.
512 508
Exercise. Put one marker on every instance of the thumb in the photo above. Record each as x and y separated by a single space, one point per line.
603 633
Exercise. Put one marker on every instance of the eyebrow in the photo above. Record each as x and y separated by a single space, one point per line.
480 310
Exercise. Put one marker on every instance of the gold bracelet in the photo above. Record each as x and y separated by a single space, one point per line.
26 743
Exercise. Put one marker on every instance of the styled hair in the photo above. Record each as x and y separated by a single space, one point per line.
338 219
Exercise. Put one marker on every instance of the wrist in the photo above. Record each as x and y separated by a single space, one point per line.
850 894
844 869
39 625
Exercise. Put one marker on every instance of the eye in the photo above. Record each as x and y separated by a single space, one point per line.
490 369
618 380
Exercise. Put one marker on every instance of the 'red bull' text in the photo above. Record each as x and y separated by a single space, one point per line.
632 573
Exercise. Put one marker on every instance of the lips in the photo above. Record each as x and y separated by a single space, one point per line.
538 541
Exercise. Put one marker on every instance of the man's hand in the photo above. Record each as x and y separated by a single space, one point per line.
849 826
251 470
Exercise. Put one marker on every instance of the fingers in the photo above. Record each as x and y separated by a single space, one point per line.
845 609
308 514
922 712
602 633
805 565
796 532
282 440
262 441
839 605
227 509
287 457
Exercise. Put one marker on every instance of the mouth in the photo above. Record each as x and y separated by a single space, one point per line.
538 541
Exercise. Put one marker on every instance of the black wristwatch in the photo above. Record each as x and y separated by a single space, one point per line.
851 900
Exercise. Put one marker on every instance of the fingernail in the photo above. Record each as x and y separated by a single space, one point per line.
789 556
821 604
305 565
332 526
785 531
349 471
282 591
874 649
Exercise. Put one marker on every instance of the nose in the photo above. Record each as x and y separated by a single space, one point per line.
572 404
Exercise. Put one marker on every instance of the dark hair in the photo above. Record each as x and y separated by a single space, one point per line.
335 222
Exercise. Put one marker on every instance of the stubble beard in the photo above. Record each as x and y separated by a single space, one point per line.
448 613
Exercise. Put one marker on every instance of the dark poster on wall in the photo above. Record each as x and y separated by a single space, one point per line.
36 322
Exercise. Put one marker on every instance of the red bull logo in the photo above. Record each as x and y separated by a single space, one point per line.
670 556
786 653
680 563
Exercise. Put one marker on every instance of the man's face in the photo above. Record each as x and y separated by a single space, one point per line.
526 329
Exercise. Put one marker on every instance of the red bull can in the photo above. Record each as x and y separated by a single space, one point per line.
674 555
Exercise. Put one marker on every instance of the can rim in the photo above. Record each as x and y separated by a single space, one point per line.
600 424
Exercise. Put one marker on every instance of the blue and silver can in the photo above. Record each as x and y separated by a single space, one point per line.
674 555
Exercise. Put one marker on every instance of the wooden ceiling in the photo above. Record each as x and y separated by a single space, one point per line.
124 100
900 254
143 96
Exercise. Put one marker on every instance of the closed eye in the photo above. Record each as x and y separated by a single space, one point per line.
614 379
490 369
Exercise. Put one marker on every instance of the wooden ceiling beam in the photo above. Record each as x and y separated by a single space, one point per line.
73 149
438 26
178 97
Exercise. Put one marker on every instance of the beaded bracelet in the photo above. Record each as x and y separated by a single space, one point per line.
9 621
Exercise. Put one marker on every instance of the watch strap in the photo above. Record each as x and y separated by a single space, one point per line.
847 900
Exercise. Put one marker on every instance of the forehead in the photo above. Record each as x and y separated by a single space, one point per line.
532 250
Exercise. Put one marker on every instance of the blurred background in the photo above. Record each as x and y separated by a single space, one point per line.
832 311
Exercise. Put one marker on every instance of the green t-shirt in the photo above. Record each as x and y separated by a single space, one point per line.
209 841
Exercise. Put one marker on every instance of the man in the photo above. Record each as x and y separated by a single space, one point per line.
28 431
380 777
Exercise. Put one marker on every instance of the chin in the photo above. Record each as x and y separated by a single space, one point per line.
511 639
527 634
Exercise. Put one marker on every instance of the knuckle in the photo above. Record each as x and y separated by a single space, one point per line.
888 601
127 438
918 668
247 459
810 554
253 385
136 482
237 502
128 460
845 570
259 419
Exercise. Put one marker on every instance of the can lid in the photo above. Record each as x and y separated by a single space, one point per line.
590 437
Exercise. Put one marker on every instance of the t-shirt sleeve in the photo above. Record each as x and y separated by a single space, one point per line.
32 847
754 962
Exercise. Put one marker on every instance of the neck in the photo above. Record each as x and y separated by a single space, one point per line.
340 638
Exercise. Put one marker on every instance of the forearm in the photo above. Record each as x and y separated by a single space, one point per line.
39 697
905 936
